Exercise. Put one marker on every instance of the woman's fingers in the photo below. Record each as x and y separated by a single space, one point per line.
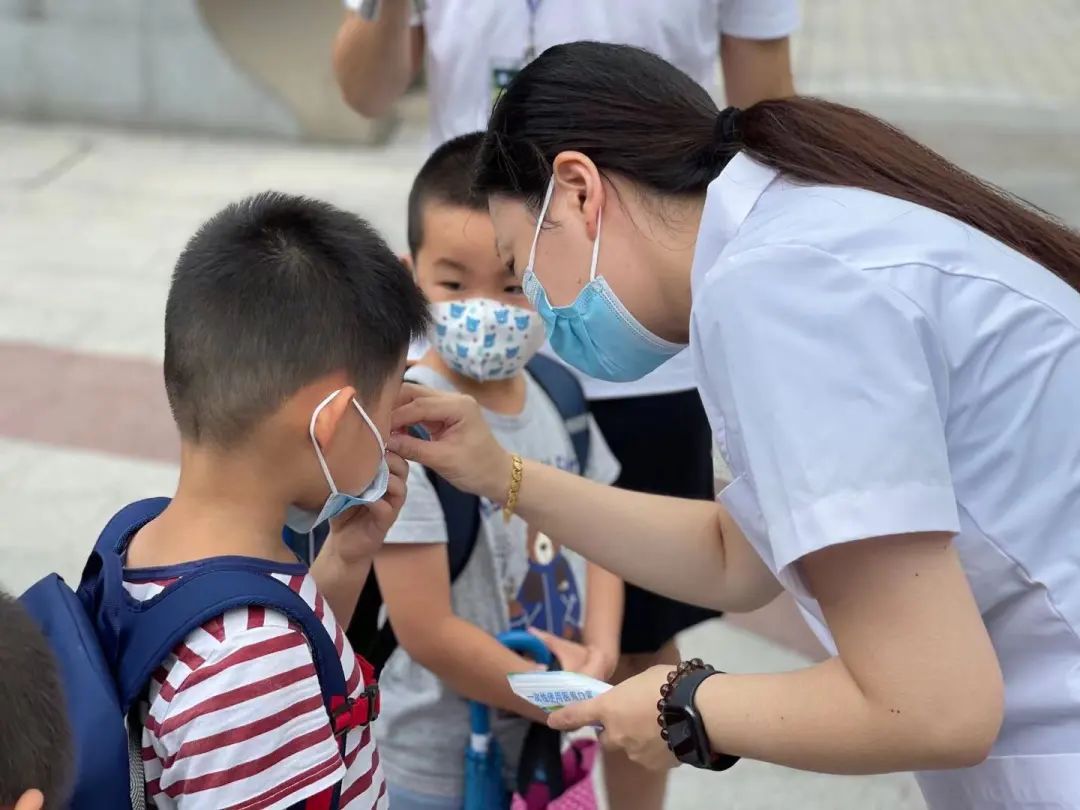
578 715
413 449
429 406
423 412
410 391
461 447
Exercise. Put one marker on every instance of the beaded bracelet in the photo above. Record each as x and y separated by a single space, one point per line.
676 675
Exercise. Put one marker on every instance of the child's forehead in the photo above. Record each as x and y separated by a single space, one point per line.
449 223
455 235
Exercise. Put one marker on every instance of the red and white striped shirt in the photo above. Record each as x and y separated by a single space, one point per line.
234 717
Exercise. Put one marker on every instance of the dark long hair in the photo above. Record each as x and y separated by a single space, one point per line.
637 116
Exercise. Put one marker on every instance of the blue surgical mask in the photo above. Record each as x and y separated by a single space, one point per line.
596 333
303 521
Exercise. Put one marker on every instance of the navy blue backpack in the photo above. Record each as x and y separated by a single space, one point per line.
108 645
370 632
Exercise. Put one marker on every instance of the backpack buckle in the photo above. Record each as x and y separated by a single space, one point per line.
349 713
373 699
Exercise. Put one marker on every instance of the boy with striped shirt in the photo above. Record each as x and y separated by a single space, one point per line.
286 330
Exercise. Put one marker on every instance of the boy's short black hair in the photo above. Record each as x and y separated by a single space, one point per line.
270 294
446 177
35 740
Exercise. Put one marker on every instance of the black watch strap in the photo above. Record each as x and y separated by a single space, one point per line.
685 729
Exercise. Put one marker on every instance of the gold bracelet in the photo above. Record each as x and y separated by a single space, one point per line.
517 470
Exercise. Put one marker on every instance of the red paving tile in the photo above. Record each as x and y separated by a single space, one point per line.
94 402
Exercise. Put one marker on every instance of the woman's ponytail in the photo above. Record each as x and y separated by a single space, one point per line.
636 115
823 143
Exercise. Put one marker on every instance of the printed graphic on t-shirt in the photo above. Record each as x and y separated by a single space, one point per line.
550 595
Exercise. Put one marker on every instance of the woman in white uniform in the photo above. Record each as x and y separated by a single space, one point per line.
889 354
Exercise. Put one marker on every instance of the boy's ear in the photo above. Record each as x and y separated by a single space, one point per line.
407 263
31 800
329 418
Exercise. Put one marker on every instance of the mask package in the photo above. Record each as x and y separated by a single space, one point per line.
551 691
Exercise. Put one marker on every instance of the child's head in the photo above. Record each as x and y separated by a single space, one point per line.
484 326
35 741
277 302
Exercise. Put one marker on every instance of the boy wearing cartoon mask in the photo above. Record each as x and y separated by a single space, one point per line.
483 335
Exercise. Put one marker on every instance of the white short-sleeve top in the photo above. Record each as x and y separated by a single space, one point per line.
872 367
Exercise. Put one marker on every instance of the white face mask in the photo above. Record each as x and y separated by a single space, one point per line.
485 339
303 521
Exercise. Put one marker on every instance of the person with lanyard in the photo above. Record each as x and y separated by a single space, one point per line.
888 350
471 50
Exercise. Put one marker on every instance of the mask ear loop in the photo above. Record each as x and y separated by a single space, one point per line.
596 245
318 450
371 424
540 223
314 441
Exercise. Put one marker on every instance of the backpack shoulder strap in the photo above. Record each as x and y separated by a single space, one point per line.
461 511
203 595
568 397
137 637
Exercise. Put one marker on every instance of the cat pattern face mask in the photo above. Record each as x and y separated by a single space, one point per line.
485 339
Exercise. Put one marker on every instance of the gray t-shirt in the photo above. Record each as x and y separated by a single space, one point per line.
514 578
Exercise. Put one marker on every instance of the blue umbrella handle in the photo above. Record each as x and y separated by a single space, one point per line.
520 641
524 642
479 719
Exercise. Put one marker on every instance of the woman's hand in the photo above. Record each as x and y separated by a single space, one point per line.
462 448
627 715
358 534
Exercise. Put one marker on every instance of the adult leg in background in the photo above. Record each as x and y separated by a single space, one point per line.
664 444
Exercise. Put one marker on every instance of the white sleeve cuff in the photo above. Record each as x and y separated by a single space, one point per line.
417 530
861 515
415 19
760 19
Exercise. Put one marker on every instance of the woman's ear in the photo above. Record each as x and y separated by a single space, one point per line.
578 179
329 418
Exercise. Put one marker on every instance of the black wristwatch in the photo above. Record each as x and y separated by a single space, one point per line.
680 724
